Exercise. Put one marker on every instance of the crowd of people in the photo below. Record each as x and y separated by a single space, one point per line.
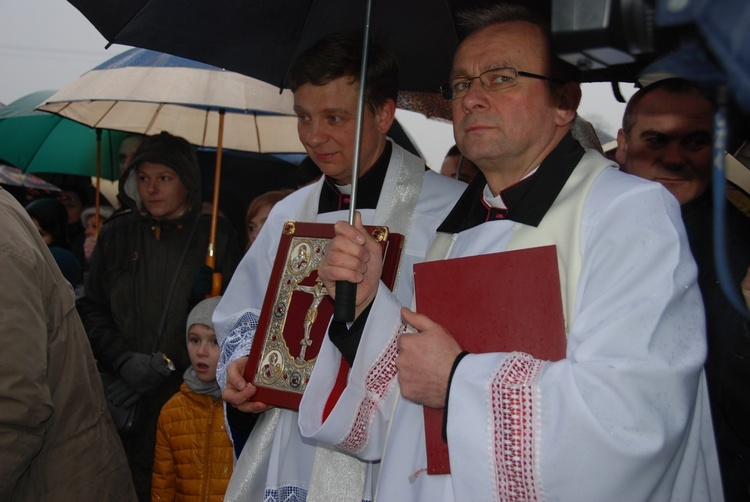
125 379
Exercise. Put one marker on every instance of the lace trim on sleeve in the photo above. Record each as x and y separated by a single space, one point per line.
514 402
237 343
378 384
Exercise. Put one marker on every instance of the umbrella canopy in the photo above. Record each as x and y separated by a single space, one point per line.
38 142
262 38
12 176
146 92
429 104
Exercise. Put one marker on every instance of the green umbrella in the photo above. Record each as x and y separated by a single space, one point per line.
39 142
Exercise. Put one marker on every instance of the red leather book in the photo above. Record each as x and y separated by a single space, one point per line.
499 302
297 309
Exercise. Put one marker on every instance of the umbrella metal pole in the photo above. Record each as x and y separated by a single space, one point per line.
98 178
211 255
346 292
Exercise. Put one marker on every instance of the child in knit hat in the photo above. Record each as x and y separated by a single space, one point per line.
193 457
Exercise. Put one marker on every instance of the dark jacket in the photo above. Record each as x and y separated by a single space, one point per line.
131 271
727 332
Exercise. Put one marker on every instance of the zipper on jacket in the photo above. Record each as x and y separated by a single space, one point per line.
206 481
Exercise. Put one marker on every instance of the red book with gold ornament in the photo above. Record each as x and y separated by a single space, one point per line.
297 310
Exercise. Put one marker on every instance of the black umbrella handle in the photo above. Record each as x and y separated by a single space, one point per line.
346 294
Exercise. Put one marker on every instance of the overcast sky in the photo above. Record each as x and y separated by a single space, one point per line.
46 44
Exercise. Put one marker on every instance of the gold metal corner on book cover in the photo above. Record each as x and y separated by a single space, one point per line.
380 233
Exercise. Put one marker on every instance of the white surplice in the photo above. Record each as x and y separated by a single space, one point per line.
287 468
623 417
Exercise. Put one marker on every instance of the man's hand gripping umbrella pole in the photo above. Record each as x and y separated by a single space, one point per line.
353 257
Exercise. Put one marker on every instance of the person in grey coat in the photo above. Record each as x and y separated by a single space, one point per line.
57 439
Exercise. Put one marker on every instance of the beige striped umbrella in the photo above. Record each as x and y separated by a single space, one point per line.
147 92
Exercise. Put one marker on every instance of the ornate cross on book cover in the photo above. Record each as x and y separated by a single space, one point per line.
297 310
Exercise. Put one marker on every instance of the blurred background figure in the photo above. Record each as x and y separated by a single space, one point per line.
91 230
57 440
457 166
193 457
75 197
257 212
127 150
147 271
51 219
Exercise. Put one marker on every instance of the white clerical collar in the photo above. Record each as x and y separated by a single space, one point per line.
344 189
497 200
493 200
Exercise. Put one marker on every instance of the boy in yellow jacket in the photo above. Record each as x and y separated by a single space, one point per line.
193 457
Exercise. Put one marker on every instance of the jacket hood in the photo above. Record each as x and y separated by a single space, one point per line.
172 151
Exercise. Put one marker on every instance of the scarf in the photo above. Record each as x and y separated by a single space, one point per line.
199 387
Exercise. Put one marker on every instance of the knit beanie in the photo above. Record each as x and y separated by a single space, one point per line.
201 313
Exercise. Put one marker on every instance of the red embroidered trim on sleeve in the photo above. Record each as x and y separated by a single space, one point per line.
378 383
513 410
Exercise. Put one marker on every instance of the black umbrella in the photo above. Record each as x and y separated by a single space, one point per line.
261 38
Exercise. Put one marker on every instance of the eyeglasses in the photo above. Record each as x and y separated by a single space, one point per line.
495 79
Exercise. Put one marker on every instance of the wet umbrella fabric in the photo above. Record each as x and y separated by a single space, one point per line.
38 142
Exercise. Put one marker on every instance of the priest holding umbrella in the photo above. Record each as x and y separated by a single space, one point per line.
395 190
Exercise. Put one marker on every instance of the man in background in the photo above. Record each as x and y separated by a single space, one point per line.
667 137
127 150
